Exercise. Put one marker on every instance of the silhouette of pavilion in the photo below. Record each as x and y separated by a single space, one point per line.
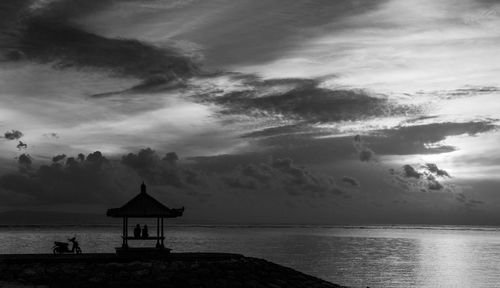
144 206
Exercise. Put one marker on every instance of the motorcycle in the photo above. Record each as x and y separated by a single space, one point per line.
63 247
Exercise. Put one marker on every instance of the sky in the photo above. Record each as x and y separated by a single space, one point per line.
278 112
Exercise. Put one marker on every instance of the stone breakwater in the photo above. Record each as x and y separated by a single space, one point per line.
175 270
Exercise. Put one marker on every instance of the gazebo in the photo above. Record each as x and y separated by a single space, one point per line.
144 206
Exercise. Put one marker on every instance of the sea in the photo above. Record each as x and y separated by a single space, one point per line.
356 256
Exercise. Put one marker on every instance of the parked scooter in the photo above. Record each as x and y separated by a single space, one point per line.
63 247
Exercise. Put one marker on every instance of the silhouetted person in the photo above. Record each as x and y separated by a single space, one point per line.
137 231
145 233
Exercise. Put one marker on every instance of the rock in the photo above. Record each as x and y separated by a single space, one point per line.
141 273
29 273
184 270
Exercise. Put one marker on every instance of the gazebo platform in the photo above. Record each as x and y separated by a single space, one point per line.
143 251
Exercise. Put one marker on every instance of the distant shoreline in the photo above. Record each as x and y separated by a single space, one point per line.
20 218
270 226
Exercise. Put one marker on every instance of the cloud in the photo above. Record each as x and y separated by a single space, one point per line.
305 140
144 161
58 158
261 172
238 183
365 154
96 179
147 164
89 181
433 184
48 34
415 139
22 145
473 202
51 135
434 169
424 176
466 201
282 174
351 181
410 172
24 162
13 135
171 158
303 99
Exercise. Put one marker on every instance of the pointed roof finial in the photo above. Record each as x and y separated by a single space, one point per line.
143 187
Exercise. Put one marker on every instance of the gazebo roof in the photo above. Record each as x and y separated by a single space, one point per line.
144 206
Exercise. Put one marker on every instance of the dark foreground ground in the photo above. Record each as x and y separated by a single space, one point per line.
174 270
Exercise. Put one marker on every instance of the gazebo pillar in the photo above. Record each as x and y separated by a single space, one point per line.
158 232
162 238
125 232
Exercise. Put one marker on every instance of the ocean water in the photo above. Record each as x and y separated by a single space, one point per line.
375 256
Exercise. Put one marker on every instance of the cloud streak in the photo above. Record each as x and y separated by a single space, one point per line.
46 34
304 99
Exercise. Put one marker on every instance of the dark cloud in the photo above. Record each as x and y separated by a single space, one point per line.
69 46
464 92
95 179
253 34
58 158
144 162
433 168
193 178
460 197
21 145
365 154
171 158
275 174
13 135
286 165
416 139
52 135
351 181
24 162
466 201
152 84
309 144
475 202
433 184
89 181
81 157
307 101
411 172
282 174
96 159
238 183
147 164
47 34
281 131
260 172
424 177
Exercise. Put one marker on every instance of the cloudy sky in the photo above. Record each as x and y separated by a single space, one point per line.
327 112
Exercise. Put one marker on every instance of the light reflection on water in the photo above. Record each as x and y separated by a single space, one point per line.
358 257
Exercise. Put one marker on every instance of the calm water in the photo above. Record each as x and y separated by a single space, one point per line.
359 257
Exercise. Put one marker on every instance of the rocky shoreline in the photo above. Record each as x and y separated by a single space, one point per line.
175 270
